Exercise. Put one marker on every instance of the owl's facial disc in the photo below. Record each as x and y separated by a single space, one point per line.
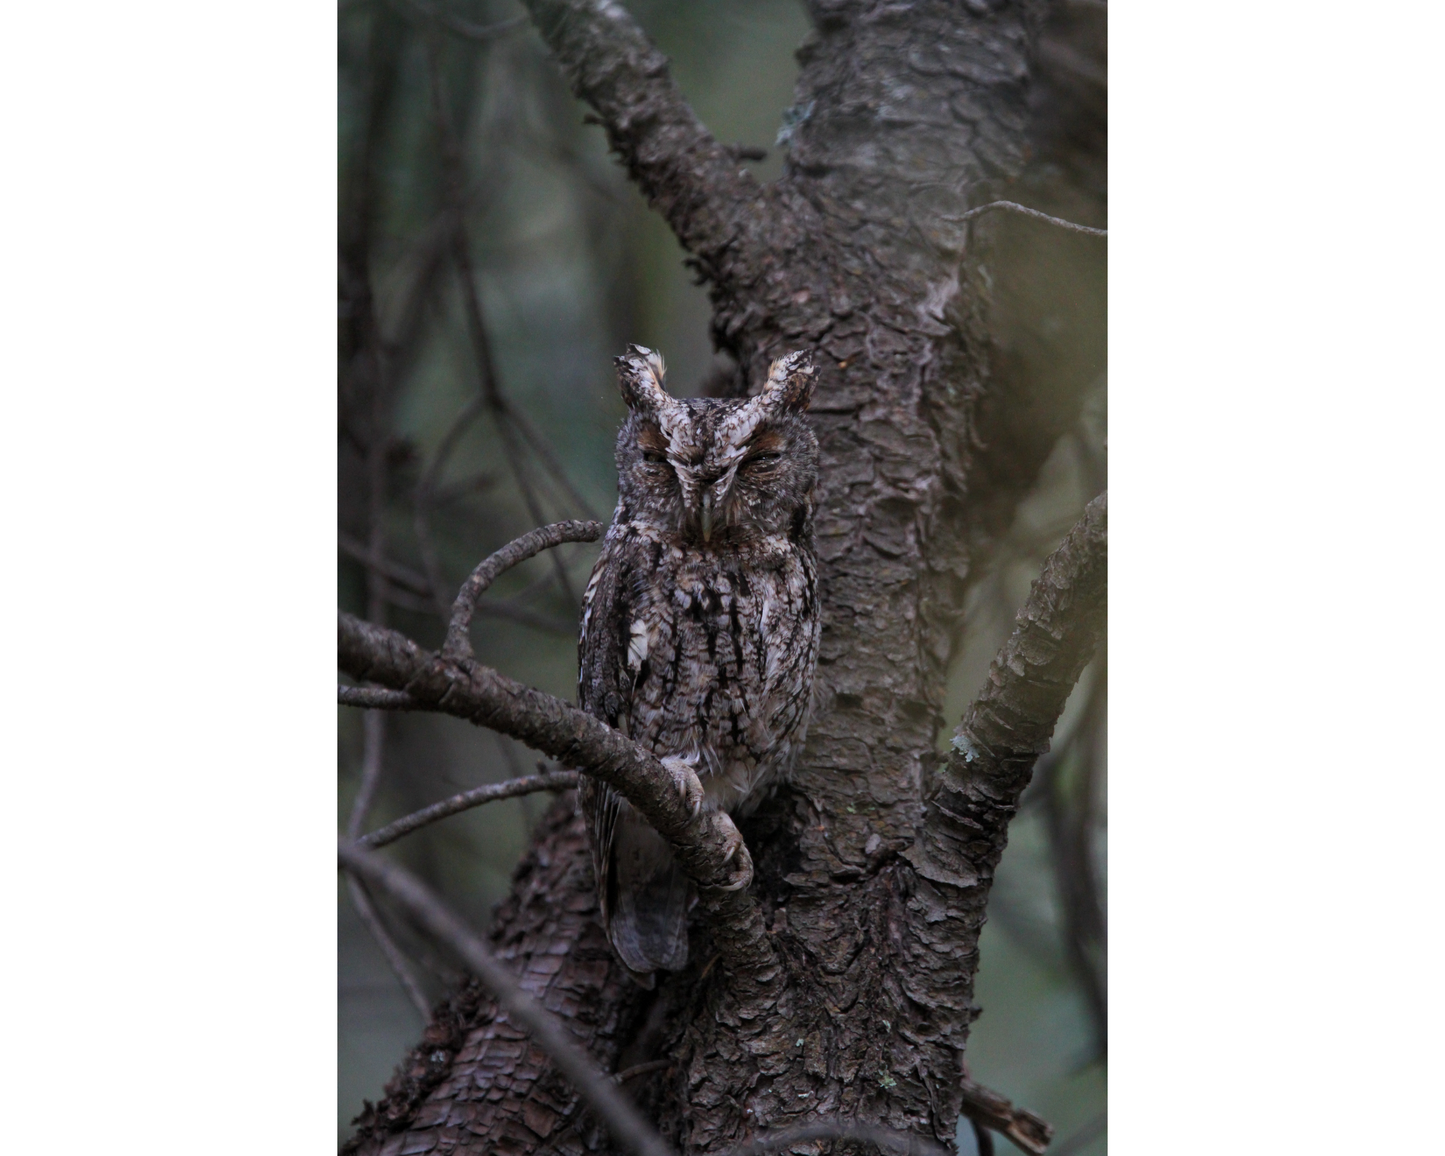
722 490
716 472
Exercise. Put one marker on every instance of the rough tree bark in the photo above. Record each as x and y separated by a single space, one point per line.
873 865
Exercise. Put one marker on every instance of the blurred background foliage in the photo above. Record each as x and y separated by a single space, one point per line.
453 442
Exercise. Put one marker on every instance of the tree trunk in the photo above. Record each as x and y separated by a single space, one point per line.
905 116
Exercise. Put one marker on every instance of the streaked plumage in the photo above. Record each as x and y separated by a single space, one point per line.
700 622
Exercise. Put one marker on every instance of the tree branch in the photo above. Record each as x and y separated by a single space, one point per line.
503 414
458 645
422 502
1009 724
402 575
976 793
394 956
511 788
373 724
624 1121
686 175
700 839
986 1107
374 698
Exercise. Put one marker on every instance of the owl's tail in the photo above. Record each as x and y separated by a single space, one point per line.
648 900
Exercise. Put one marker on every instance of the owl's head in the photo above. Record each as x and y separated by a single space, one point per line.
716 471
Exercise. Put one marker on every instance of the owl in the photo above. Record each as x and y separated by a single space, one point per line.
700 624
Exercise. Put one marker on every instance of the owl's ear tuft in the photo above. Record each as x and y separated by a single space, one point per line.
640 376
790 382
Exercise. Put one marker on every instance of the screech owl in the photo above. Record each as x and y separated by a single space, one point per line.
700 623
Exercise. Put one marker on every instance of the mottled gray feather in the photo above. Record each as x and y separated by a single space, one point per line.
700 623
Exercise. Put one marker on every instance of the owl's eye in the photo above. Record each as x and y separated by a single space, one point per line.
769 458
653 458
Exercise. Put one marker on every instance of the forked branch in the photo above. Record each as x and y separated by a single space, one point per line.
691 179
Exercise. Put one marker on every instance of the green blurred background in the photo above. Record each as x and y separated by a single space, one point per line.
570 266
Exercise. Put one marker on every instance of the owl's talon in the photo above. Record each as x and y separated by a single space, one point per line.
743 876
737 854
689 786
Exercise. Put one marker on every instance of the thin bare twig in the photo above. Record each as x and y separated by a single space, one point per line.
394 957
491 395
401 575
372 382
626 1124
422 500
462 487
985 1106
458 643
549 461
1025 211
567 627
405 600
374 698
373 729
509 610
886 1139
476 797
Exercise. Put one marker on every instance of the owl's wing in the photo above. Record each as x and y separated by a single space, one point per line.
599 693
602 641
642 892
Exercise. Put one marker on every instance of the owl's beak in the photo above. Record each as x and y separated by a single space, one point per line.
706 512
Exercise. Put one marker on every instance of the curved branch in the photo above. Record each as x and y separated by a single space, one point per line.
624 1121
511 788
977 791
692 180
458 646
702 840
1009 724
